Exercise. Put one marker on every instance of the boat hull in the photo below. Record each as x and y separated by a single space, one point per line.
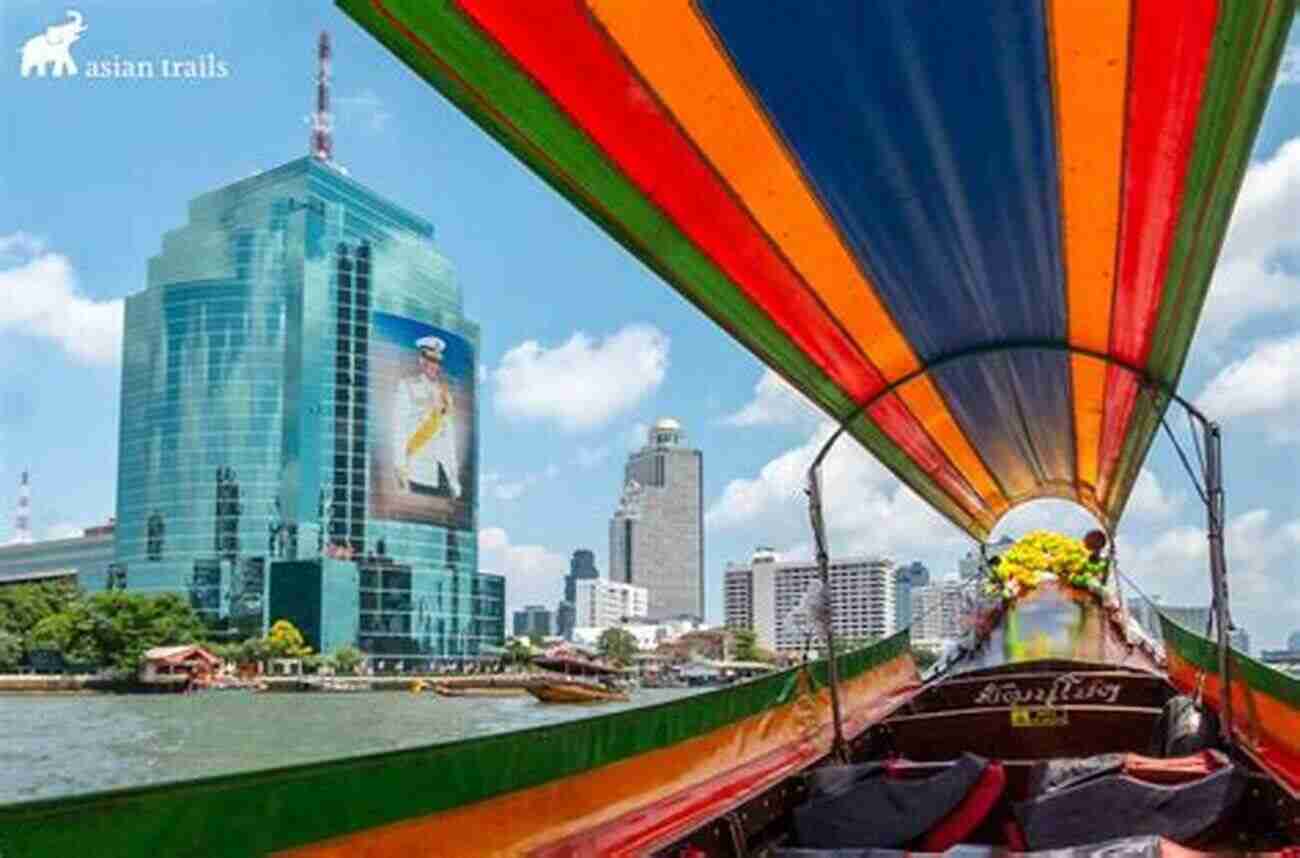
574 692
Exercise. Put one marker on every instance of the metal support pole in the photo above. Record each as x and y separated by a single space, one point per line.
1214 509
839 749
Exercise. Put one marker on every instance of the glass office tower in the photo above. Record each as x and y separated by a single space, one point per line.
298 385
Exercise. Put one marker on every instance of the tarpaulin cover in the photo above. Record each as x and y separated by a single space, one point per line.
861 805
1086 809
1128 847
979 234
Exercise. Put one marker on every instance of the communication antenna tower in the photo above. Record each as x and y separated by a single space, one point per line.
322 121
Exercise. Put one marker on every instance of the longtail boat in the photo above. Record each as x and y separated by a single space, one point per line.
575 691
978 235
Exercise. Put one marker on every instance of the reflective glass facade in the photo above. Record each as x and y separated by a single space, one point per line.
246 427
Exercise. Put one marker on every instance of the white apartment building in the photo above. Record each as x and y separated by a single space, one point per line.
938 611
769 591
602 603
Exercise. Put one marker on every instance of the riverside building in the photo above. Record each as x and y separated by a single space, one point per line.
298 419
602 604
85 560
656 536
770 593
938 611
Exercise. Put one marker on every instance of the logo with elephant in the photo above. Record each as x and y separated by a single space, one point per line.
48 53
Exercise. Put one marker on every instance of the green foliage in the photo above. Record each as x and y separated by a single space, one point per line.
346 659
285 641
23 606
253 651
746 647
11 651
115 628
517 652
617 645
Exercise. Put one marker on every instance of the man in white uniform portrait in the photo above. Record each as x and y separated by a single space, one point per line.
424 444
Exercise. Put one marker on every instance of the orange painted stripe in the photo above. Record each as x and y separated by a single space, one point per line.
676 55
1090 40
520 823
1266 727
1089 378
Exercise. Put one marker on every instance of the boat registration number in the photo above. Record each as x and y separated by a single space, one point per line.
1038 716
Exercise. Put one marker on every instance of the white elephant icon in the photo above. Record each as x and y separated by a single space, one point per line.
49 50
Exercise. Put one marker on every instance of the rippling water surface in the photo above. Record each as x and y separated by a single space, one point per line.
58 745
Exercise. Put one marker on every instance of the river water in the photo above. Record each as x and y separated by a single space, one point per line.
52 745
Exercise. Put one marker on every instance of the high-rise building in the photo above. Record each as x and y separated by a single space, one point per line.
773 591
1293 642
909 577
602 604
738 594
656 536
298 384
969 566
938 613
582 567
532 620
566 616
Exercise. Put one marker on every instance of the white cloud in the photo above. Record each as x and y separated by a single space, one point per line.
1053 514
364 109
1265 384
1260 557
775 402
590 457
1256 274
867 510
1288 72
18 246
634 438
512 490
581 383
39 298
63 530
1150 501
534 574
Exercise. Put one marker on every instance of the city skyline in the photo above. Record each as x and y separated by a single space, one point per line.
565 387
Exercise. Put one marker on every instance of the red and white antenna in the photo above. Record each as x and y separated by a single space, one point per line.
322 121
23 518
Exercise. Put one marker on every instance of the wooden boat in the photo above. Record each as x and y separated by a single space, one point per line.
977 235
572 691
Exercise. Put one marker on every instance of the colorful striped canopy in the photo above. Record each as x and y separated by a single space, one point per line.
979 233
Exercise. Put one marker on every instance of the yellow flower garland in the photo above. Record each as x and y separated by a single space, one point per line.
1038 554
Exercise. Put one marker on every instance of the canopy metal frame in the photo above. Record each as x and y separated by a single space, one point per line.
1209 449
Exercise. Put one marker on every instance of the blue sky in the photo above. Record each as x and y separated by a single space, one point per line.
92 172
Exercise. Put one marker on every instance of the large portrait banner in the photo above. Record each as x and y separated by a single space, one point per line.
422 407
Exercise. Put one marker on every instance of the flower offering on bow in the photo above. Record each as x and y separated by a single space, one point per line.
1041 553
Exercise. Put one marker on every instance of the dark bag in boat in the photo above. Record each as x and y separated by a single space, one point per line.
1087 801
857 806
